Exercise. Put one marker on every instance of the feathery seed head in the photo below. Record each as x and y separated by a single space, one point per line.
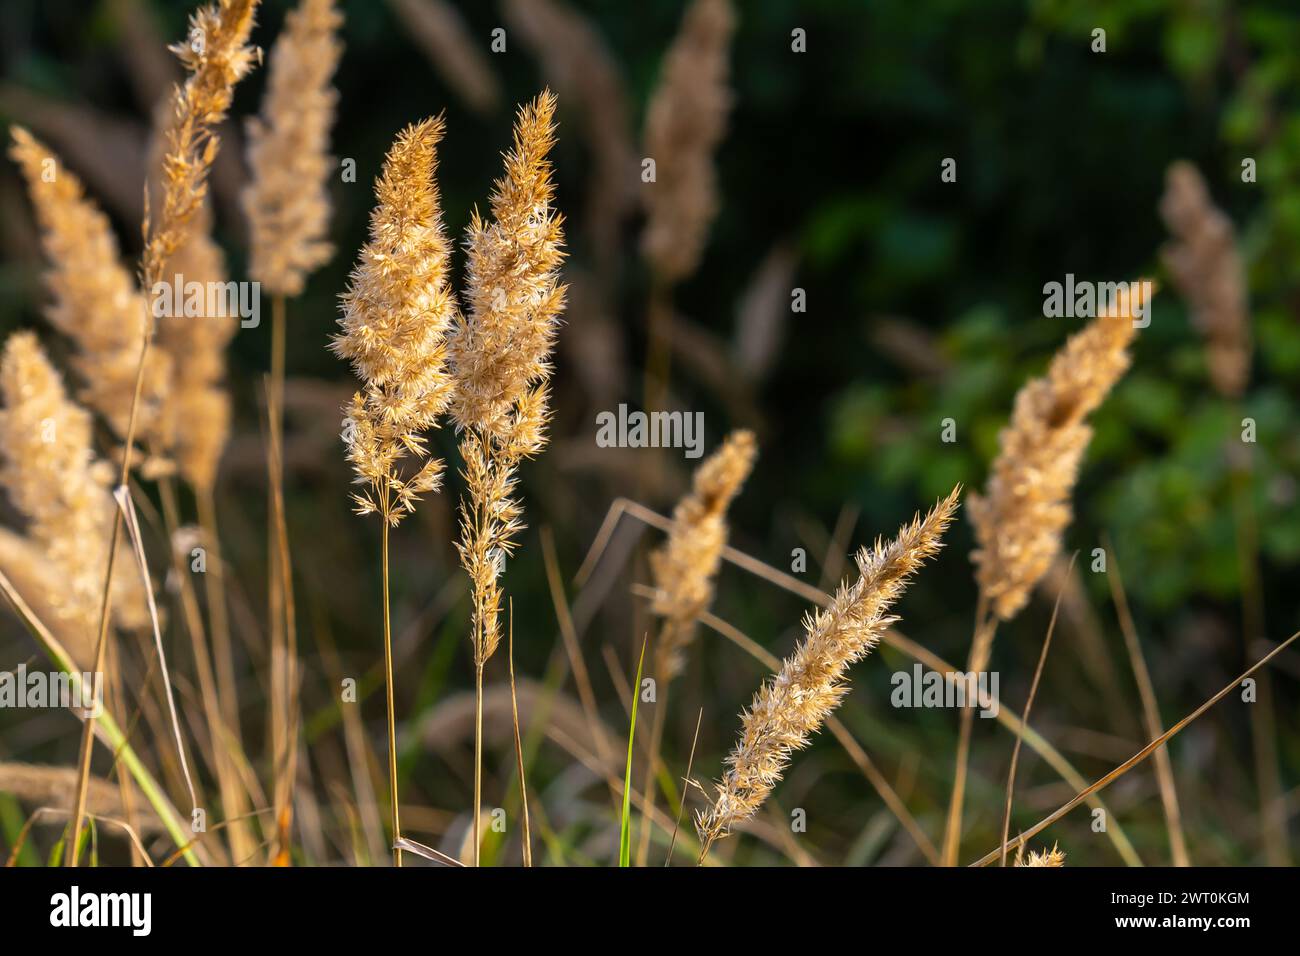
396 313
792 704
54 479
501 350
286 201
1025 510
686 120
500 355
1052 857
197 416
685 567
95 300
1206 266
217 56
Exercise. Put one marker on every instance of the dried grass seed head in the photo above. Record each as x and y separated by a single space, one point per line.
1206 266
793 704
686 121
684 568
199 411
286 201
54 479
1020 519
397 310
501 349
216 55
95 302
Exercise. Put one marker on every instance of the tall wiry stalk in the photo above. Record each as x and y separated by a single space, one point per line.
792 704
500 353
217 56
397 311
684 570
197 419
1020 520
288 212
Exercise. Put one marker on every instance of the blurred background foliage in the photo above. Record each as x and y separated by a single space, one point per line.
924 302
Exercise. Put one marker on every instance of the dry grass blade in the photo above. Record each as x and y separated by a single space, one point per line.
106 727
519 745
1134 760
56 786
1029 706
42 812
428 852
1150 711
441 32
687 783
132 525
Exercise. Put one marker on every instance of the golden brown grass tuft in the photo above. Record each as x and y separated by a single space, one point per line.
216 55
501 356
1020 518
95 300
286 201
397 311
687 119
54 479
794 703
198 411
1207 269
1052 857
685 567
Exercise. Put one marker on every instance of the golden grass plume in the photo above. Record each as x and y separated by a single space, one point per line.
687 118
216 55
1020 518
1207 269
286 201
1052 857
397 310
54 479
500 354
95 302
198 411
794 703
684 568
